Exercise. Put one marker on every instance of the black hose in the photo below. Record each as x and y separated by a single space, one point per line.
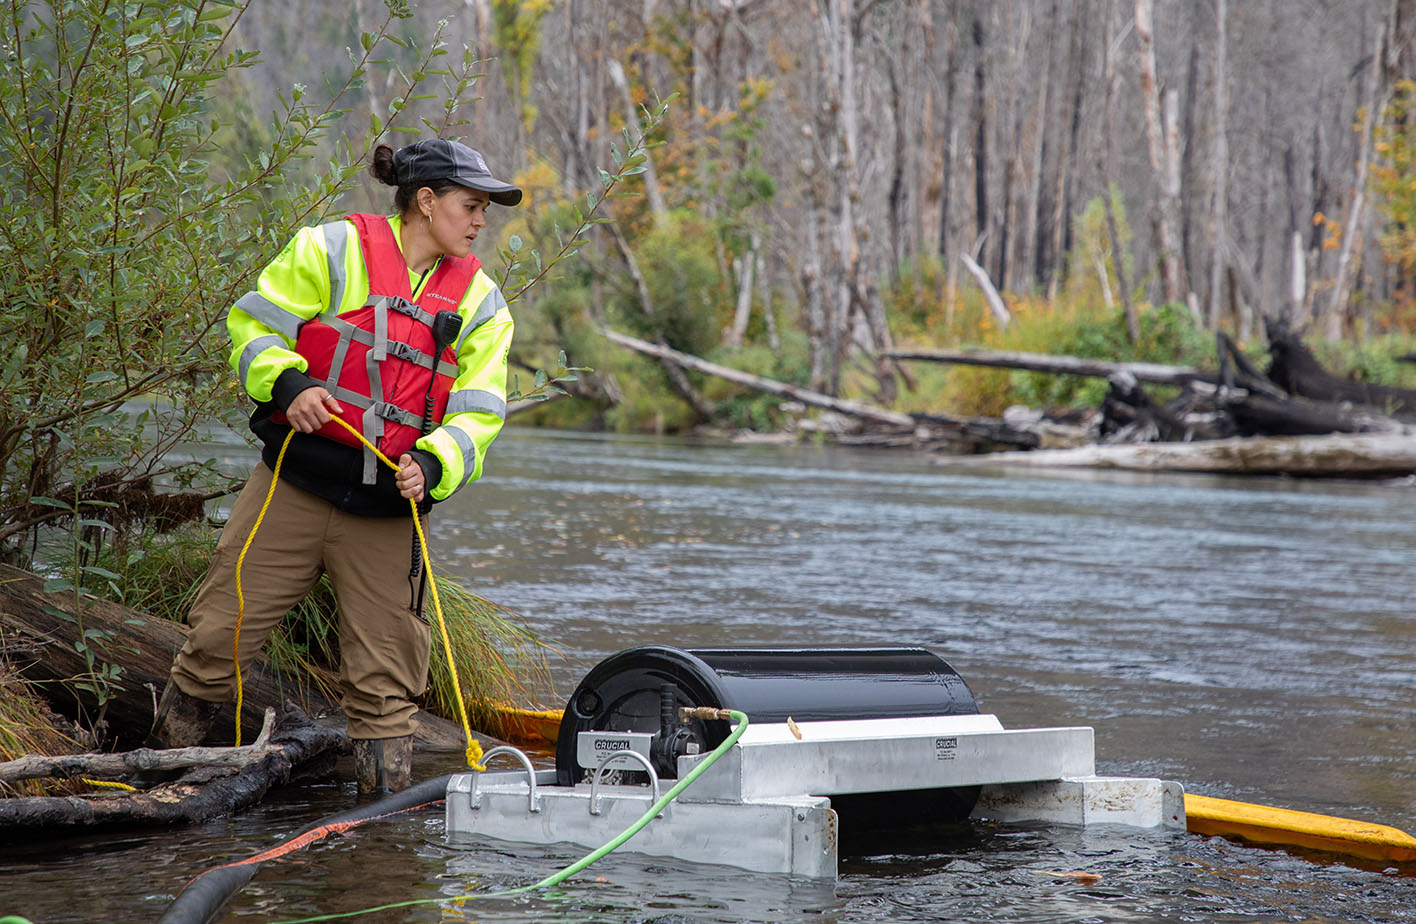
206 895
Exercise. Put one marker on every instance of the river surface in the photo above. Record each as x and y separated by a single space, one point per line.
1249 638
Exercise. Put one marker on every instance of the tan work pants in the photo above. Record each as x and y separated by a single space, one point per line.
383 646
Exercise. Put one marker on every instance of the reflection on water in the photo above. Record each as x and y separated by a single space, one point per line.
1250 639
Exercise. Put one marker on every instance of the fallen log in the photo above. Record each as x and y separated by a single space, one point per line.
1294 368
916 431
202 793
1151 373
1331 456
39 631
1259 415
1129 414
68 766
795 392
37 635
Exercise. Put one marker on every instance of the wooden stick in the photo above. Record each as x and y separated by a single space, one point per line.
990 293
34 766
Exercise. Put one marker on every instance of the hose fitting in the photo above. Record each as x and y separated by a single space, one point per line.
707 713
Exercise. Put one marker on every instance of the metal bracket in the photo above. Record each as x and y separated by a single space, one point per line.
611 758
474 795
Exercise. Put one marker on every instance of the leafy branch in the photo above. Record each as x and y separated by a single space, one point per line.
546 384
630 162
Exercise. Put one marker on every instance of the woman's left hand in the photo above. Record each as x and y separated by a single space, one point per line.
410 478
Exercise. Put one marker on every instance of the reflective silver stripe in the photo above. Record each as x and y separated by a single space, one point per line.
492 302
336 238
270 314
476 399
253 349
469 455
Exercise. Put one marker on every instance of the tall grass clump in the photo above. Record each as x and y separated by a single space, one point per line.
498 660
26 728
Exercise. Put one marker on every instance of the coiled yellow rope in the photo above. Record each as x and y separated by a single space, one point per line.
474 749
107 784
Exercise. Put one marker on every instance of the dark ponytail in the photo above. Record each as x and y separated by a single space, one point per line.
381 169
382 166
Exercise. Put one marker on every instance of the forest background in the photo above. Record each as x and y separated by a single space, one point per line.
788 188
1131 176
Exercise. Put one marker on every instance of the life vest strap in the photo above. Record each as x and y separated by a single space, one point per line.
380 347
396 348
393 412
372 428
414 355
373 424
405 307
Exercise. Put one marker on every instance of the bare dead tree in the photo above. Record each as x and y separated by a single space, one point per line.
1118 250
1162 135
1219 167
1337 308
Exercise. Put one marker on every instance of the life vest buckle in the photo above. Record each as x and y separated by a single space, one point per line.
404 306
401 350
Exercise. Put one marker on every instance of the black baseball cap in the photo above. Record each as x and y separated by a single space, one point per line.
441 159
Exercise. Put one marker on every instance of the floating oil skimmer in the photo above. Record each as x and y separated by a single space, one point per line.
841 741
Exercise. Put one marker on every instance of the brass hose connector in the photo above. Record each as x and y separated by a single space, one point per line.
703 712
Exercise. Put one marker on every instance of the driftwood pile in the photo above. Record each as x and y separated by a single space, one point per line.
38 632
1295 396
37 635
216 781
1292 418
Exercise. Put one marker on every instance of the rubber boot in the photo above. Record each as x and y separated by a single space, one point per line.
383 765
182 721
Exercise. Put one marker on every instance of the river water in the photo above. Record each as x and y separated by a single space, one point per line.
1250 639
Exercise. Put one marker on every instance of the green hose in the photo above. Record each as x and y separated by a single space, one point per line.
596 854
648 816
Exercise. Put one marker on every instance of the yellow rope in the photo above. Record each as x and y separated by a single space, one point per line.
474 749
109 784
240 597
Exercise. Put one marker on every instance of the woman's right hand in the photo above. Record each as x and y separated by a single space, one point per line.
311 409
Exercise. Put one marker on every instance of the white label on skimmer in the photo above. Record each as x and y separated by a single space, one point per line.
945 748
593 746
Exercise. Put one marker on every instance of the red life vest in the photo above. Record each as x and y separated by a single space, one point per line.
376 360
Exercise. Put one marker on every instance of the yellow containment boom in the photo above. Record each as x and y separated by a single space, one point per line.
528 728
1263 824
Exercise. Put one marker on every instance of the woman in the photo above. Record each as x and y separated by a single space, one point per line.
391 325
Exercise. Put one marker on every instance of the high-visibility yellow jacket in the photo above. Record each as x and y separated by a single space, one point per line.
321 271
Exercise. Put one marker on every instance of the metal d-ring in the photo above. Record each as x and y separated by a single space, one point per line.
611 758
533 803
